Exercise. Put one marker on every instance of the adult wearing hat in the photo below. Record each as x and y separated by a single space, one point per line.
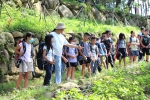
59 42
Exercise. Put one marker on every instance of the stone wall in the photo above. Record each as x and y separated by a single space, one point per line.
8 42
62 9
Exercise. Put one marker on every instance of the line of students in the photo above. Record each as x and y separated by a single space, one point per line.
91 55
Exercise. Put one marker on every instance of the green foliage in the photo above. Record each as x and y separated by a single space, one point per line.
25 20
130 84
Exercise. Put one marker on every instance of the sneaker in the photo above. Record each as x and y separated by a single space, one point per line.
16 90
131 66
68 78
24 90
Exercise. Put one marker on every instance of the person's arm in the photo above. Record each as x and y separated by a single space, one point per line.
44 56
141 42
17 50
110 48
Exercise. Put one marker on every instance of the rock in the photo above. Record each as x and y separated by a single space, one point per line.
6 55
36 42
38 36
53 12
3 68
12 68
10 47
98 15
49 95
81 82
68 85
53 3
64 11
37 6
9 37
34 1
8 78
67 36
24 1
17 34
2 39
38 72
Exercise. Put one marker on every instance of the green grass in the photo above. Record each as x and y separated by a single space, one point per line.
31 22
125 84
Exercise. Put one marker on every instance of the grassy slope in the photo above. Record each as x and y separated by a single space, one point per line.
129 84
30 22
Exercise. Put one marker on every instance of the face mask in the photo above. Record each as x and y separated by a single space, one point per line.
31 40
73 43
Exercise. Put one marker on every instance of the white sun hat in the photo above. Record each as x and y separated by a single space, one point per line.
60 25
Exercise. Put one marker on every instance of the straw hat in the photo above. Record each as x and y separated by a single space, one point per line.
60 25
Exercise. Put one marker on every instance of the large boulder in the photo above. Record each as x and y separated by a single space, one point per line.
17 34
2 39
53 12
12 68
3 62
36 42
10 47
64 11
37 6
9 37
68 85
53 3
38 72
98 15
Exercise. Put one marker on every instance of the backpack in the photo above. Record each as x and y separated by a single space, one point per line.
145 40
17 59
40 60
92 49
106 43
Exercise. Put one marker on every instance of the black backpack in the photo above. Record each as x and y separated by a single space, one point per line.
95 49
40 60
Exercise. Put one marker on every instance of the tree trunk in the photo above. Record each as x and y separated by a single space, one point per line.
118 2
130 2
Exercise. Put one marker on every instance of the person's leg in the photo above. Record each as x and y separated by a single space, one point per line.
62 67
26 79
124 60
47 75
68 73
19 80
120 62
104 61
88 65
144 52
57 69
110 60
82 62
131 60
107 62
89 69
91 66
147 54
72 72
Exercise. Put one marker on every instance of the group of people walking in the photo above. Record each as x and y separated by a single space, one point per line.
92 52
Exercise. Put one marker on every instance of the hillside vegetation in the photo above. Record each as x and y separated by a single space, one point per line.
25 20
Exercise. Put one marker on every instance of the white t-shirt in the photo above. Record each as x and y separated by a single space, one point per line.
49 55
27 55
133 40
59 42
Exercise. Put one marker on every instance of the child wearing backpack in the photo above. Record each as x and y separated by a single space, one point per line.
108 46
72 54
133 43
121 48
93 55
102 53
48 57
84 56
145 40
25 50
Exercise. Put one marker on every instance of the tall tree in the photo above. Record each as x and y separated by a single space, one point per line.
130 3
